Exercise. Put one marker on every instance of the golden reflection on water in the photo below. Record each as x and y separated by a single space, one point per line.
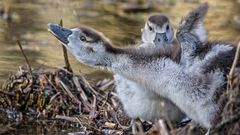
30 19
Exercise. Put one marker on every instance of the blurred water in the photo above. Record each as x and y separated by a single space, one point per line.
30 18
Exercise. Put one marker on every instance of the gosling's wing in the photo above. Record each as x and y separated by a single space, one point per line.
191 29
175 50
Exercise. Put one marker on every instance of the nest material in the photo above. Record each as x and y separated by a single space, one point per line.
57 100
61 95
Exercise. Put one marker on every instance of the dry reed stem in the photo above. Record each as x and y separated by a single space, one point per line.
70 93
67 64
94 108
67 118
119 124
7 93
162 127
235 62
79 89
165 115
139 126
26 59
106 85
232 119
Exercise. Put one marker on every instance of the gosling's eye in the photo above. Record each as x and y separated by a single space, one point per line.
167 27
82 38
150 28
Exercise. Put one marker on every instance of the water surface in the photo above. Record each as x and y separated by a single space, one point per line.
30 19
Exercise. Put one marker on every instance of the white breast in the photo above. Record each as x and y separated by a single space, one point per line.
144 103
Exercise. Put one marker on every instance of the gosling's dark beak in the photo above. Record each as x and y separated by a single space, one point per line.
160 38
59 32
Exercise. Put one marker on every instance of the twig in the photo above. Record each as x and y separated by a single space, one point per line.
7 93
139 126
76 120
93 91
94 108
70 93
67 64
232 119
72 119
106 85
165 115
79 89
86 84
162 127
118 122
53 97
230 76
7 129
26 59
104 102
70 73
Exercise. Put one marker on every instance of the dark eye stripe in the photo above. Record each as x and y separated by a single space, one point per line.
167 27
150 28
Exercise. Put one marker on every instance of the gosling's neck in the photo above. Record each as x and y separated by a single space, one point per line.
112 57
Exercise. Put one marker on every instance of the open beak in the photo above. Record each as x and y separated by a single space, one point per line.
160 38
59 32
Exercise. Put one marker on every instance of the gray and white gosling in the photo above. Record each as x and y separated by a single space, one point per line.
197 50
153 69
138 101
201 55
158 32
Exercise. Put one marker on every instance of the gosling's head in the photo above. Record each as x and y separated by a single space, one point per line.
80 36
86 44
158 31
